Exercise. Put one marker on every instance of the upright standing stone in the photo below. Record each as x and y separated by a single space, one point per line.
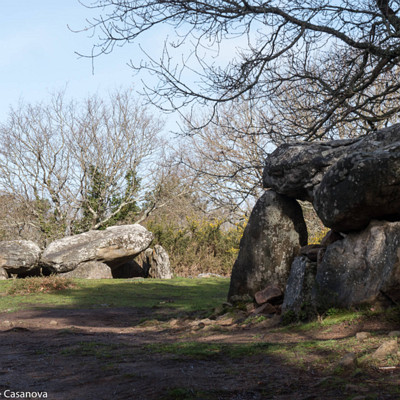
160 267
299 287
363 268
274 234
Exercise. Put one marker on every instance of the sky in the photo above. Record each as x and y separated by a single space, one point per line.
38 54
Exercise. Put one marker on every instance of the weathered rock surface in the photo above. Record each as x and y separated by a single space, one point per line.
387 348
3 274
274 234
90 270
297 169
160 266
152 263
113 246
299 288
364 267
363 335
360 187
19 256
266 308
267 294
348 361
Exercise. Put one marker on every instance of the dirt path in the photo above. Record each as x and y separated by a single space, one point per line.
83 354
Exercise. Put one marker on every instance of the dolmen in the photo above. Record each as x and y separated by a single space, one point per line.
117 252
354 187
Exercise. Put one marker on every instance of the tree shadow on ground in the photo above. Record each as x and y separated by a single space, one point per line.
161 347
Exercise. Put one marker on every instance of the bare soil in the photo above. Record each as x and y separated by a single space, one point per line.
84 354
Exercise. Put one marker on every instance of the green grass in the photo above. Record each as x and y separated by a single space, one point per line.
202 350
96 349
334 317
182 294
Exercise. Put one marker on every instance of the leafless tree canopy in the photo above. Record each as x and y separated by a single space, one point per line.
337 60
74 165
227 157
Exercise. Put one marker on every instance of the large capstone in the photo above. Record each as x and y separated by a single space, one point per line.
113 246
297 169
273 236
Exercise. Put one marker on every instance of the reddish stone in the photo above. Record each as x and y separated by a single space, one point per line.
269 293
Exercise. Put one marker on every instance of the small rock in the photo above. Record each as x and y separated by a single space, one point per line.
363 335
270 322
224 320
394 334
269 293
266 308
201 325
53 322
386 348
348 360
209 275
250 307
7 323
245 298
173 322
206 321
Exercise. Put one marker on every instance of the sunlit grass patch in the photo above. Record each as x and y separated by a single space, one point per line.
185 295
38 284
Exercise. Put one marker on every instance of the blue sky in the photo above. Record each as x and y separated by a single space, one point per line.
37 54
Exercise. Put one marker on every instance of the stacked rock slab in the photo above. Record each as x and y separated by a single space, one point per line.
274 234
113 246
350 182
90 270
117 252
354 186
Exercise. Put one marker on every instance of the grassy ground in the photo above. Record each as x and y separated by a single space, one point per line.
179 328
179 293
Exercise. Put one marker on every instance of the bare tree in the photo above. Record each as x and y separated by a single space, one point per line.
227 156
341 58
78 166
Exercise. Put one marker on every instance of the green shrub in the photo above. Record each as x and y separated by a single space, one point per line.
199 246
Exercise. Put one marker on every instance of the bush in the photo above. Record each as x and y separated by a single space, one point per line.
200 246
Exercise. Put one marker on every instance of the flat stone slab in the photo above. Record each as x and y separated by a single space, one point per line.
112 246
